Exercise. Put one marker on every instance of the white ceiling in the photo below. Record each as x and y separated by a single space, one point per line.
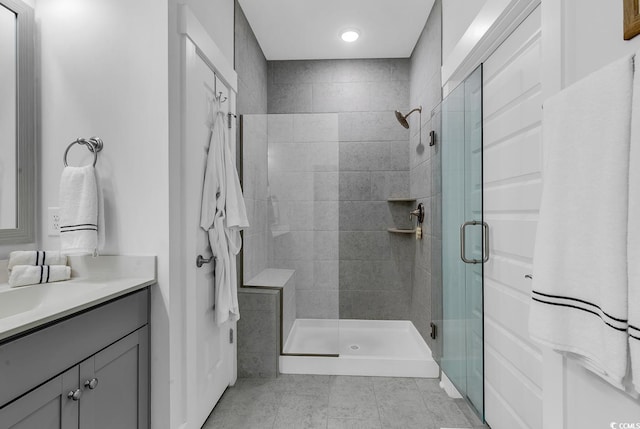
309 29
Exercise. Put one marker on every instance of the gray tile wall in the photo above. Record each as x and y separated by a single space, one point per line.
258 328
375 267
303 150
258 332
426 90
255 247
251 66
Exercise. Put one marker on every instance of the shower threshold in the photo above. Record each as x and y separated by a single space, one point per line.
388 348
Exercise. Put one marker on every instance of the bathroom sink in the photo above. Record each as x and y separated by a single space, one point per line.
28 298
15 301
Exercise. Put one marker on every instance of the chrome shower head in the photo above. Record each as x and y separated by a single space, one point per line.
403 118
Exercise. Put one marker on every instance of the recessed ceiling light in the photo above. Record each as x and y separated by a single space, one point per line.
350 35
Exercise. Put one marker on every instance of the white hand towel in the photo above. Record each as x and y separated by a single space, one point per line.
23 275
36 257
633 241
579 297
81 211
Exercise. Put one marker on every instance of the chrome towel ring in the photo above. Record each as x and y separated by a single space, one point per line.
94 144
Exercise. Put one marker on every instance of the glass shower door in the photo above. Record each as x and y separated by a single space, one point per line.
463 239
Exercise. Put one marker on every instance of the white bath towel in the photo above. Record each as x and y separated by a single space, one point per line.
633 241
36 257
81 212
579 296
23 275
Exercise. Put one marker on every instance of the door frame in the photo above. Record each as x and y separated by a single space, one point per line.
495 21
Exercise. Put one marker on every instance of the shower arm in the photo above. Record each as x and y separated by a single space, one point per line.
419 109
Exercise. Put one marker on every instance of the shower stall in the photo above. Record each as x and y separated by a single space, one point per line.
329 202
331 217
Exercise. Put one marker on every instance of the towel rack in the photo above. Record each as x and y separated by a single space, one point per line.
94 144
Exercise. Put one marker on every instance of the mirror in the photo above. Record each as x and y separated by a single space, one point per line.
8 103
17 123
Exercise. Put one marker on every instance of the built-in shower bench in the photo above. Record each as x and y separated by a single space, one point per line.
267 312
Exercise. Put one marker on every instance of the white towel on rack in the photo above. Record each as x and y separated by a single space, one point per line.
633 241
36 257
579 284
24 275
223 215
81 212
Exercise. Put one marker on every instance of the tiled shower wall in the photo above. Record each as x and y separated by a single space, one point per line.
426 90
256 237
375 266
303 208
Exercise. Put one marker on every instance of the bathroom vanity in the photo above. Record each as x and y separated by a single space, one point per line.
77 355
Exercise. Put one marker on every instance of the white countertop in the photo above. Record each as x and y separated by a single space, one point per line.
94 281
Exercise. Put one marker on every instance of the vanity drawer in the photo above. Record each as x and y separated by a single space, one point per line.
30 360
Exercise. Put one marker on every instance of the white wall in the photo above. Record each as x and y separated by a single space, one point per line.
216 16
593 36
581 37
456 17
104 72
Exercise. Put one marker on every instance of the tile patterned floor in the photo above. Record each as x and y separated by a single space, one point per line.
339 402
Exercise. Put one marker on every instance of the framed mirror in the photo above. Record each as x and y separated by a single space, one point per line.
17 123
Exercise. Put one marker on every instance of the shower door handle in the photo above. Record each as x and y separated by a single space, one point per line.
485 241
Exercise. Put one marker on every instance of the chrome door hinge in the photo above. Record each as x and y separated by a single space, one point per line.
230 116
230 336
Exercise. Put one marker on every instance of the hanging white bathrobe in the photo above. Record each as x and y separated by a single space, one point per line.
223 214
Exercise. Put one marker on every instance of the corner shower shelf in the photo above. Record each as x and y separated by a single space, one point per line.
402 231
401 200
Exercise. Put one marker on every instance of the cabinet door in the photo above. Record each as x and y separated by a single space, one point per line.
46 407
115 385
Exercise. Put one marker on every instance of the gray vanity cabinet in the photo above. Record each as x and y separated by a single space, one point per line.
89 371
46 407
115 385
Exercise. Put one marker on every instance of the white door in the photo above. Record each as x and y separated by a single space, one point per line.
210 357
512 184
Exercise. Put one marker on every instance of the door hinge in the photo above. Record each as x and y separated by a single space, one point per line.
230 116
230 336
434 331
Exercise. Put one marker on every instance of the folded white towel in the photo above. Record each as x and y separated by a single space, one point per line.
36 257
580 261
23 275
633 241
81 211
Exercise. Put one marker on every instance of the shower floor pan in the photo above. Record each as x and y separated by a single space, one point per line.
388 348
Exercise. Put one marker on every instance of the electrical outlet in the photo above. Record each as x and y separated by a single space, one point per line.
53 223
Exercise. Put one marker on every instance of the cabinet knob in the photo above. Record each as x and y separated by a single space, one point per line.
74 394
91 384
